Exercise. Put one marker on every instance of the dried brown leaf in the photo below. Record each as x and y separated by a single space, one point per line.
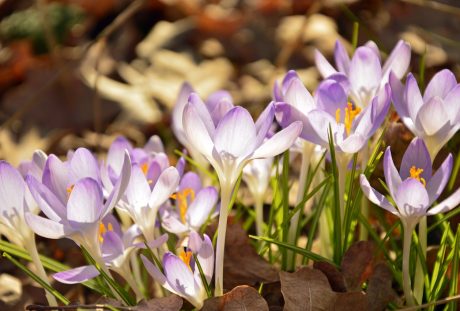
379 290
241 298
356 264
170 303
334 276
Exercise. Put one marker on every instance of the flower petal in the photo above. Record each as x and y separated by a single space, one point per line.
171 223
365 71
178 110
85 202
138 190
438 182
264 122
198 212
392 177
342 60
376 197
298 96
197 135
416 155
413 97
76 275
157 275
218 104
56 177
190 180
83 164
431 117
451 105
45 227
206 257
448 204
330 96
236 133
116 153
165 186
397 95
179 275
12 191
279 142
203 112
120 186
440 85
46 200
324 67
397 62
411 198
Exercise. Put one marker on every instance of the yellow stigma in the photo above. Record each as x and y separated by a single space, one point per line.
350 115
186 257
181 197
415 173
145 168
69 189
103 229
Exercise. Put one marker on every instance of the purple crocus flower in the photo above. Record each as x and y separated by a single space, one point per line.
217 105
79 217
435 117
236 139
116 248
146 194
194 205
414 188
351 125
363 76
181 275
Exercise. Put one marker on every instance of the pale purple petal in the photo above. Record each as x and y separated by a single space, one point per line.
206 257
376 197
373 47
331 96
287 114
83 164
416 155
138 190
112 246
438 181
320 121
76 275
411 198
50 205
179 276
298 96
45 227
130 235
431 117
440 85
392 178
324 67
290 75
448 204
56 177
12 190
116 153
342 60
165 186
452 105
398 61
203 112
264 122
218 104
365 71
178 110
196 132
236 133
171 223
397 95
352 144
279 142
199 210
120 186
190 180
413 97
157 275
85 202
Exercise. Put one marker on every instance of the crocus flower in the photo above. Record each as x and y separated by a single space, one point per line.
194 205
435 117
229 146
217 105
116 247
144 196
80 216
414 189
181 275
15 202
364 75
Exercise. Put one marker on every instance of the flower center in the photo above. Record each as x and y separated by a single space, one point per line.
350 114
181 197
69 190
145 168
415 173
186 256
103 230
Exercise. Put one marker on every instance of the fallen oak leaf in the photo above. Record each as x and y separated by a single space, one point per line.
170 303
356 264
241 298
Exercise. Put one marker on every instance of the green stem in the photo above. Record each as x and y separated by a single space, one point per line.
407 287
259 204
226 193
363 233
419 275
31 247
342 167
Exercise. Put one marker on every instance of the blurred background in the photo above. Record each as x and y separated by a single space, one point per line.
79 72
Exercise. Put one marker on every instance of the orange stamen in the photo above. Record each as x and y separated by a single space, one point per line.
186 257
350 115
145 168
181 197
70 189
415 173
